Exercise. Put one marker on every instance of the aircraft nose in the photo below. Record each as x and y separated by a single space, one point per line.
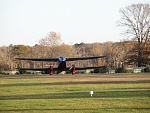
62 58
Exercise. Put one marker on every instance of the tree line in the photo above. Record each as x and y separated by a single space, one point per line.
118 54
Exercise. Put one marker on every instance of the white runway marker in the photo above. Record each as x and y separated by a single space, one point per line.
91 93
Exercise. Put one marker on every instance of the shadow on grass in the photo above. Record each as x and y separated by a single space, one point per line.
78 109
103 94
72 83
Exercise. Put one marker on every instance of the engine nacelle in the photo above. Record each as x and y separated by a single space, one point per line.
51 69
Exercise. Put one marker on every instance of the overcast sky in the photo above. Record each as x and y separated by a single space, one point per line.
27 21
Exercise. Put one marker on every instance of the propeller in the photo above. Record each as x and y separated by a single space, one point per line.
73 65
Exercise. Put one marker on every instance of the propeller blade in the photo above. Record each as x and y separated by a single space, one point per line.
72 65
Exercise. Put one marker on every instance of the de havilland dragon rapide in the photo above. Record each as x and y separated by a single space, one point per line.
61 64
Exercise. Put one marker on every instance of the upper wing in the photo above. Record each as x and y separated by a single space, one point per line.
84 58
39 59
60 58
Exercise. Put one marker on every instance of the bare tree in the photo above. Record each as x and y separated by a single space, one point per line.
3 57
136 19
52 39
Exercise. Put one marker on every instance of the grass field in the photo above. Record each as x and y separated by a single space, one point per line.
127 93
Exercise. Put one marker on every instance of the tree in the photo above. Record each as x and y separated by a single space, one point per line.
52 39
136 19
4 58
20 50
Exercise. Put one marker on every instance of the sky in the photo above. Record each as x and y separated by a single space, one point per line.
88 21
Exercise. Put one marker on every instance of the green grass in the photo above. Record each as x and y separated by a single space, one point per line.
67 93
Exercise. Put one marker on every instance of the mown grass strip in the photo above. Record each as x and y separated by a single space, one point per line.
65 95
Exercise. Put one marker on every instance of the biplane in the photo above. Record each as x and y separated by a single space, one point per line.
61 64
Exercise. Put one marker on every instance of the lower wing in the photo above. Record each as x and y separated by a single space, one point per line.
34 69
66 69
84 68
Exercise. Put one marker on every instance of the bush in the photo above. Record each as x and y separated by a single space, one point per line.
96 70
147 69
99 70
22 71
1 72
120 70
